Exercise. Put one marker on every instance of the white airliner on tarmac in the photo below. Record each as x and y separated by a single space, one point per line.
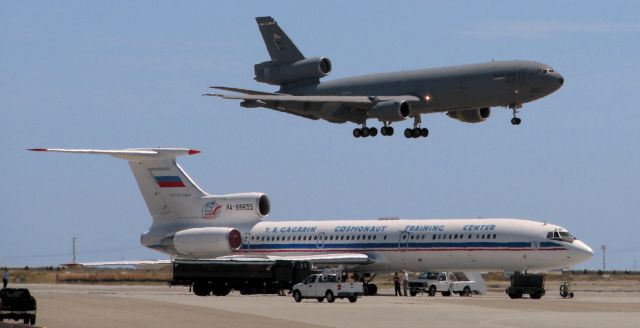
189 223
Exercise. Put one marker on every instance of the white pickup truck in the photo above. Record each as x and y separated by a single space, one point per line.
329 286
446 283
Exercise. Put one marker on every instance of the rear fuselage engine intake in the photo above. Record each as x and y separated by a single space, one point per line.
305 69
210 241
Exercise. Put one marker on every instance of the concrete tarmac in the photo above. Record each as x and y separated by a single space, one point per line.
158 306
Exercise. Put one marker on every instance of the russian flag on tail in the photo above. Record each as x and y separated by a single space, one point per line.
169 182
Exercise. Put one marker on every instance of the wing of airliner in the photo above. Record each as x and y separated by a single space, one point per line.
330 258
318 259
125 263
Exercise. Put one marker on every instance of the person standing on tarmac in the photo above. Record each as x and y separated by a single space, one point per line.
5 278
405 282
396 284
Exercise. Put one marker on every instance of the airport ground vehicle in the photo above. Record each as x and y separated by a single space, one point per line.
532 284
329 286
565 290
17 304
208 277
446 283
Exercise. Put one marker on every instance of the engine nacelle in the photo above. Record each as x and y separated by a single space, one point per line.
237 207
471 115
211 241
390 111
304 69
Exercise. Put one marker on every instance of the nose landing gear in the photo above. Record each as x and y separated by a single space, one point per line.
515 120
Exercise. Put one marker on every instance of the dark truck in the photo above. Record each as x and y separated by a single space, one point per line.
521 284
17 304
208 277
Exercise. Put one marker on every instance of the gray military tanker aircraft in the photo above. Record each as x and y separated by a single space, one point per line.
466 93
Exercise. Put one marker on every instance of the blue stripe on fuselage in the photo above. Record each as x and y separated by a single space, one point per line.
395 245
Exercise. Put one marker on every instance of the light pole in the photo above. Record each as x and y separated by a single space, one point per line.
74 248
604 251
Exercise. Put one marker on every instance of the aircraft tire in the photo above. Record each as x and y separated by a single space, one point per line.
516 121
415 133
408 133
373 132
357 133
389 130
424 132
365 132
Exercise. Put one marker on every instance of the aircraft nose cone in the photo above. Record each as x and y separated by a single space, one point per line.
558 78
582 250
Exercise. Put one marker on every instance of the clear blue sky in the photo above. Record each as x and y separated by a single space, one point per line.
131 74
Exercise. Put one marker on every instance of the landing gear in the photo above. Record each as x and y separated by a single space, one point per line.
370 289
386 130
417 131
515 120
365 132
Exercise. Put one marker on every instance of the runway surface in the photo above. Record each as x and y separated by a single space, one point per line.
159 306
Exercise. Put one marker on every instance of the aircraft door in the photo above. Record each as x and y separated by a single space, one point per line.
403 242
320 240
246 241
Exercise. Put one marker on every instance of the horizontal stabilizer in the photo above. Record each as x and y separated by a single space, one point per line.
243 91
159 178
133 154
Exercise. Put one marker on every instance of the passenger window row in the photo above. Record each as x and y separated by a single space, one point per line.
373 237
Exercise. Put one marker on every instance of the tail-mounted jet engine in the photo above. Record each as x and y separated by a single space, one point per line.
210 241
272 72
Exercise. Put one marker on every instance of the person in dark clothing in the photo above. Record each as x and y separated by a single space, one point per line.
5 278
396 284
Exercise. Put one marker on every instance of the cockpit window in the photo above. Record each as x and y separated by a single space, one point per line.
561 235
547 71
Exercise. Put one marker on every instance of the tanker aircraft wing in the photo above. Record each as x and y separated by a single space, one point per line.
359 101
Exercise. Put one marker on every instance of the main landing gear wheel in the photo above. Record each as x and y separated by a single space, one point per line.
386 131
365 132
416 133
516 121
